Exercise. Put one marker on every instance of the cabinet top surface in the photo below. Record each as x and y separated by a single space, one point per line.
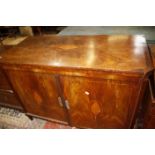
101 52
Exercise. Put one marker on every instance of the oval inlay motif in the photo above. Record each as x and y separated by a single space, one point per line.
95 108
37 97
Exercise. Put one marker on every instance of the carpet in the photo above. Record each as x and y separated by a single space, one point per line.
14 119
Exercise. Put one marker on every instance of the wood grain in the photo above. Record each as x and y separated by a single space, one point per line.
98 103
99 79
114 53
38 93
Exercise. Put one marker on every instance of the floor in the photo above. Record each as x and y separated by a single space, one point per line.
14 119
148 31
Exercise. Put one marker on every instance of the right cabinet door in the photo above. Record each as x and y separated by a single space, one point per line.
98 103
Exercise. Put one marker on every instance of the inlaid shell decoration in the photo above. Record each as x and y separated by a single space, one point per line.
95 108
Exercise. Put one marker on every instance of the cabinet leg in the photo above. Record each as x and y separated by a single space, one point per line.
30 117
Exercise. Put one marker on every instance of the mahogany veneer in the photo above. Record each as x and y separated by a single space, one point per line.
7 96
84 81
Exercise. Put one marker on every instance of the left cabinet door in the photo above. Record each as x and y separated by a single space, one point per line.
38 93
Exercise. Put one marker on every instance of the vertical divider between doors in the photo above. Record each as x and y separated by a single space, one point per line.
60 92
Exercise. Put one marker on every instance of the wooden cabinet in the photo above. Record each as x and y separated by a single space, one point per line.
84 102
85 81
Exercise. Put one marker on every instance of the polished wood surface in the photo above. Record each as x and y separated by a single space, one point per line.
114 53
99 103
8 97
4 85
98 80
38 93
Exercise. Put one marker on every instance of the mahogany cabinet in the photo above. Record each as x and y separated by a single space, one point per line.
85 81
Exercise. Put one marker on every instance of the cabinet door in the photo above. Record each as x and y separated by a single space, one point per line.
38 93
94 103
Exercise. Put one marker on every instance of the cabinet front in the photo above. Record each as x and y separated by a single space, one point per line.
38 93
4 85
98 103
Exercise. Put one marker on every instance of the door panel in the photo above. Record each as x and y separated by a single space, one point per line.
97 103
38 93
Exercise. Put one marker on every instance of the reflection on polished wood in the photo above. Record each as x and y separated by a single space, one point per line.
116 53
